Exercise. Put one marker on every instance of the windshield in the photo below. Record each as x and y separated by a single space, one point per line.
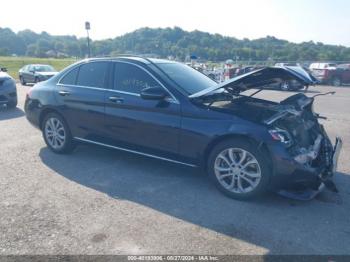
43 68
189 79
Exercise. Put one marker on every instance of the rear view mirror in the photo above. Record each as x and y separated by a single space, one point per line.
153 93
3 69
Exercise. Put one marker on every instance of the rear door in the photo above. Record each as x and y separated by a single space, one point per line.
149 126
81 95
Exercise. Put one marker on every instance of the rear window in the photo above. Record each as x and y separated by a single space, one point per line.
70 78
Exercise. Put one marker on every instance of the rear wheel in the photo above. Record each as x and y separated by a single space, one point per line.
36 80
56 134
238 169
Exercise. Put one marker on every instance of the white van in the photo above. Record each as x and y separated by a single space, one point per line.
322 66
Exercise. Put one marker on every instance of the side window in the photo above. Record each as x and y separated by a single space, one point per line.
93 74
132 79
71 77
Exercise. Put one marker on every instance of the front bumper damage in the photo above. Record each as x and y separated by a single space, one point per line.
318 178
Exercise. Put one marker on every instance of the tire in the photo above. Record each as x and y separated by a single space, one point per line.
12 104
57 134
36 80
23 83
259 169
336 82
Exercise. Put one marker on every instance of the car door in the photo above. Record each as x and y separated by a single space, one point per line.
150 126
81 96
28 75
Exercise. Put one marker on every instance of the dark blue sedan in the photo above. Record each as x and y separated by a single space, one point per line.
169 111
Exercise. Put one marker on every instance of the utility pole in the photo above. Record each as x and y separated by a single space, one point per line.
87 27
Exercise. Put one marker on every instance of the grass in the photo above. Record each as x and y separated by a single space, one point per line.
13 64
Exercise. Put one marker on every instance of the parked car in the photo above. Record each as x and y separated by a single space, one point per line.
35 73
321 66
287 64
170 111
323 72
340 76
293 84
245 69
8 92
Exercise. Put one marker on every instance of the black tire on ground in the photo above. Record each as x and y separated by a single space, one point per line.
36 80
69 144
12 104
23 83
261 157
336 81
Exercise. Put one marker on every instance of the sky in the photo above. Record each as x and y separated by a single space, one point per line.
326 21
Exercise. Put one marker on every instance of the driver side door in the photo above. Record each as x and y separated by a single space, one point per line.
148 126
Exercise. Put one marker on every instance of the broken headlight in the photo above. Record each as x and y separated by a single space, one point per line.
281 135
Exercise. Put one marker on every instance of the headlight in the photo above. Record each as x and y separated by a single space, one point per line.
281 135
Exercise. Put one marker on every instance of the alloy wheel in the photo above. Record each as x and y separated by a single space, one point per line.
55 133
237 170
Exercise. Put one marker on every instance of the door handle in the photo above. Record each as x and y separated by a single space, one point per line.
64 93
116 99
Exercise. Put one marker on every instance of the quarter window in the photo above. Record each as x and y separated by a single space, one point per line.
132 79
93 74
71 77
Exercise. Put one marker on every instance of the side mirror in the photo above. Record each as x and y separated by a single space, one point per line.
153 93
32 71
3 69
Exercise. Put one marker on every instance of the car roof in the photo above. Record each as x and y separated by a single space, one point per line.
141 59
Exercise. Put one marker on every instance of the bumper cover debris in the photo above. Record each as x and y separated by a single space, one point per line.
325 178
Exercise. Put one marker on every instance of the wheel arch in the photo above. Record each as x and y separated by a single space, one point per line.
47 111
260 144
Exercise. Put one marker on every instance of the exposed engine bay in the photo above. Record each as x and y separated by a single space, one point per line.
292 122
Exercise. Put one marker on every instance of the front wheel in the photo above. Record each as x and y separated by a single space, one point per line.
56 134
21 79
238 169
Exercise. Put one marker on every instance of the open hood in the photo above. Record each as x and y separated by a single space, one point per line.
260 78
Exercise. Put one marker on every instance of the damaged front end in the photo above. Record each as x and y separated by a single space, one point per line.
297 127
303 155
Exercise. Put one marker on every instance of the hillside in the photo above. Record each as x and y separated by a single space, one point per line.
169 42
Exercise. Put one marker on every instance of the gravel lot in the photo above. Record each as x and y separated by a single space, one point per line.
99 201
